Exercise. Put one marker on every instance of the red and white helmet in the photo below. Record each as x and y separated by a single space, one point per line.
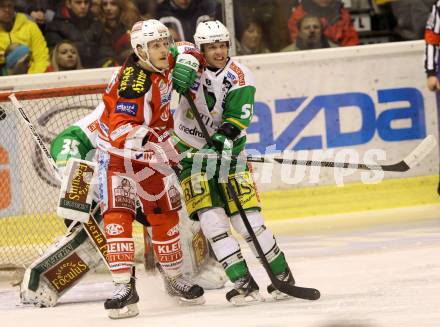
210 32
144 32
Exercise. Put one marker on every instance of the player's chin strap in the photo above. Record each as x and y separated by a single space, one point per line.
300 292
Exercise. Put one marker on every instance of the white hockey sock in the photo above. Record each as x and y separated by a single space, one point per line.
215 227
264 235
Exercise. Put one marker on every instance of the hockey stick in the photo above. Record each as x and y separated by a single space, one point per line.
296 291
413 158
48 157
36 136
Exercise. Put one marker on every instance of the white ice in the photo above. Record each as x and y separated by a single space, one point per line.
382 275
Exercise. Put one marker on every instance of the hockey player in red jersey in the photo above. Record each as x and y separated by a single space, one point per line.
135 159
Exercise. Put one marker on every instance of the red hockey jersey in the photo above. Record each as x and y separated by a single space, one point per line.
134 97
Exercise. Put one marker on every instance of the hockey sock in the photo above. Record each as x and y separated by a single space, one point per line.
236 270
265 238
215 227
120 244
166 241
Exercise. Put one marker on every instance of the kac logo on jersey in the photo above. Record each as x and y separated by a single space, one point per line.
127 108
165 115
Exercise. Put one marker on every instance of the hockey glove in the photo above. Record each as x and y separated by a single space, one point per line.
222 144
184 72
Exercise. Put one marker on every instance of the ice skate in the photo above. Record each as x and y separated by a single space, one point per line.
244 288
123 303
183 289
285 276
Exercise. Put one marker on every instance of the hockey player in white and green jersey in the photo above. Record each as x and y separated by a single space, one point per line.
78 140
224 96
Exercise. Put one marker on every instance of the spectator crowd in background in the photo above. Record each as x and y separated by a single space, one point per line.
53 35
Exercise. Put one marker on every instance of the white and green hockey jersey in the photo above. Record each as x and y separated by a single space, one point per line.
77 140
222 96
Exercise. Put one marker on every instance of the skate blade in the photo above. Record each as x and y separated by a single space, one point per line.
241 300
280 296
128 311
197 301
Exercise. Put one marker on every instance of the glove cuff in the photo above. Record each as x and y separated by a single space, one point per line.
229 130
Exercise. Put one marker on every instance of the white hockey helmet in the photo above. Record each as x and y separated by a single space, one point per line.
211 32
144 32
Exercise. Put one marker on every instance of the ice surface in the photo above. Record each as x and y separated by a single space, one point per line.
382 276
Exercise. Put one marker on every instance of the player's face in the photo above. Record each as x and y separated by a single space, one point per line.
67 56
216 54
158 51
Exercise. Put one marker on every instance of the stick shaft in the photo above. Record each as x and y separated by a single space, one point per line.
35 135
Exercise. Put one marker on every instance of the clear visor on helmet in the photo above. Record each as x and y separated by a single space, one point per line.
165 42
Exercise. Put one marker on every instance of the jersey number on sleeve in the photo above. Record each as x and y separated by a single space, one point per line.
246 111
70 147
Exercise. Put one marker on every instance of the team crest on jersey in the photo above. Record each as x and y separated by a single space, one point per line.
127 108
165 114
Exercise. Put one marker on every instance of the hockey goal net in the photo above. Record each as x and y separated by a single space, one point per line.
28 191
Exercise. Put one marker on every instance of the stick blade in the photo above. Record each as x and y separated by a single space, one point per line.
421 151
306 293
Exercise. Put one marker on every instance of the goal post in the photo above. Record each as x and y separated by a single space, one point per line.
28 190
